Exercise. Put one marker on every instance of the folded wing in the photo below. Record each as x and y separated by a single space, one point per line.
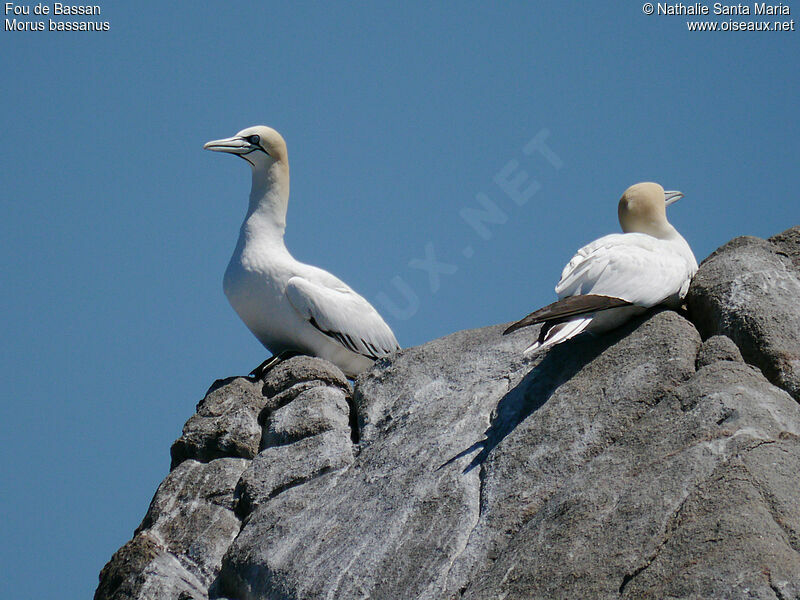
612 272
342 315
633 267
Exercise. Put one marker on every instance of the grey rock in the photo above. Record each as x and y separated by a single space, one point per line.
716 348
389 523
299 370
748 290
285 396
589 471
306 430
177 550
124 575
434 505
225 425
313 411
279 468
576 404
787 243
645 463
671 509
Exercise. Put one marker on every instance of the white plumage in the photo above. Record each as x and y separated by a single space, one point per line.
622 274
290 306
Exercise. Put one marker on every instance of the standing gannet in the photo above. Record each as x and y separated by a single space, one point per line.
291 307
620 275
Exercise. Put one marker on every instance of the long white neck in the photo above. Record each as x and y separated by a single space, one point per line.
269 199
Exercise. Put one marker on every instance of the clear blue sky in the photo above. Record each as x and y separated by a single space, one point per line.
117 226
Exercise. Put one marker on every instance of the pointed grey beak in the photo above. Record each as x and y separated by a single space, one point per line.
672 196
233 145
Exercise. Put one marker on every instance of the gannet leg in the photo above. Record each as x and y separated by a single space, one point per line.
262 369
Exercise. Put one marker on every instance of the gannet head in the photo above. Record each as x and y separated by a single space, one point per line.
260 146
643 209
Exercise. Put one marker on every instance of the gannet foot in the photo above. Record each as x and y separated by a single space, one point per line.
262 369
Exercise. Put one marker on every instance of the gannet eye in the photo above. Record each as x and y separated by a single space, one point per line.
253 139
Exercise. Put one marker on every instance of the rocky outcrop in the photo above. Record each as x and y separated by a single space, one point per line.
748 290
658 461
248 442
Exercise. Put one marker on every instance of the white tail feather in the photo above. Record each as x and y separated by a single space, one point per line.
559 333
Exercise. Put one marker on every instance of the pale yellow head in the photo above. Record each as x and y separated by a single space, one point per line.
261 146
643 209
265 150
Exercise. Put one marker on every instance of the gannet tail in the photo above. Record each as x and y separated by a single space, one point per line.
571 306
558 332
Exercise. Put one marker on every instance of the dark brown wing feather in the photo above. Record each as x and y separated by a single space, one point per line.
565 308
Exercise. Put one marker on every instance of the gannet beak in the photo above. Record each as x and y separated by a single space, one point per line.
233 145
672 196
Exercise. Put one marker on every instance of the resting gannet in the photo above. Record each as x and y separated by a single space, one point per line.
620 275
291 307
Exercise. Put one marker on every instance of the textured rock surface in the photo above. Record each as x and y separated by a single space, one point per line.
748 290
788 244
646 463
314 411
277 469
293 376
675 507
717 348
177 549
176 552
302 440
226 423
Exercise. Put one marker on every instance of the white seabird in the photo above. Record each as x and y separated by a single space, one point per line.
620 275
291 307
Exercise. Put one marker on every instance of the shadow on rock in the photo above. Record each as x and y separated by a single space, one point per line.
560 363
